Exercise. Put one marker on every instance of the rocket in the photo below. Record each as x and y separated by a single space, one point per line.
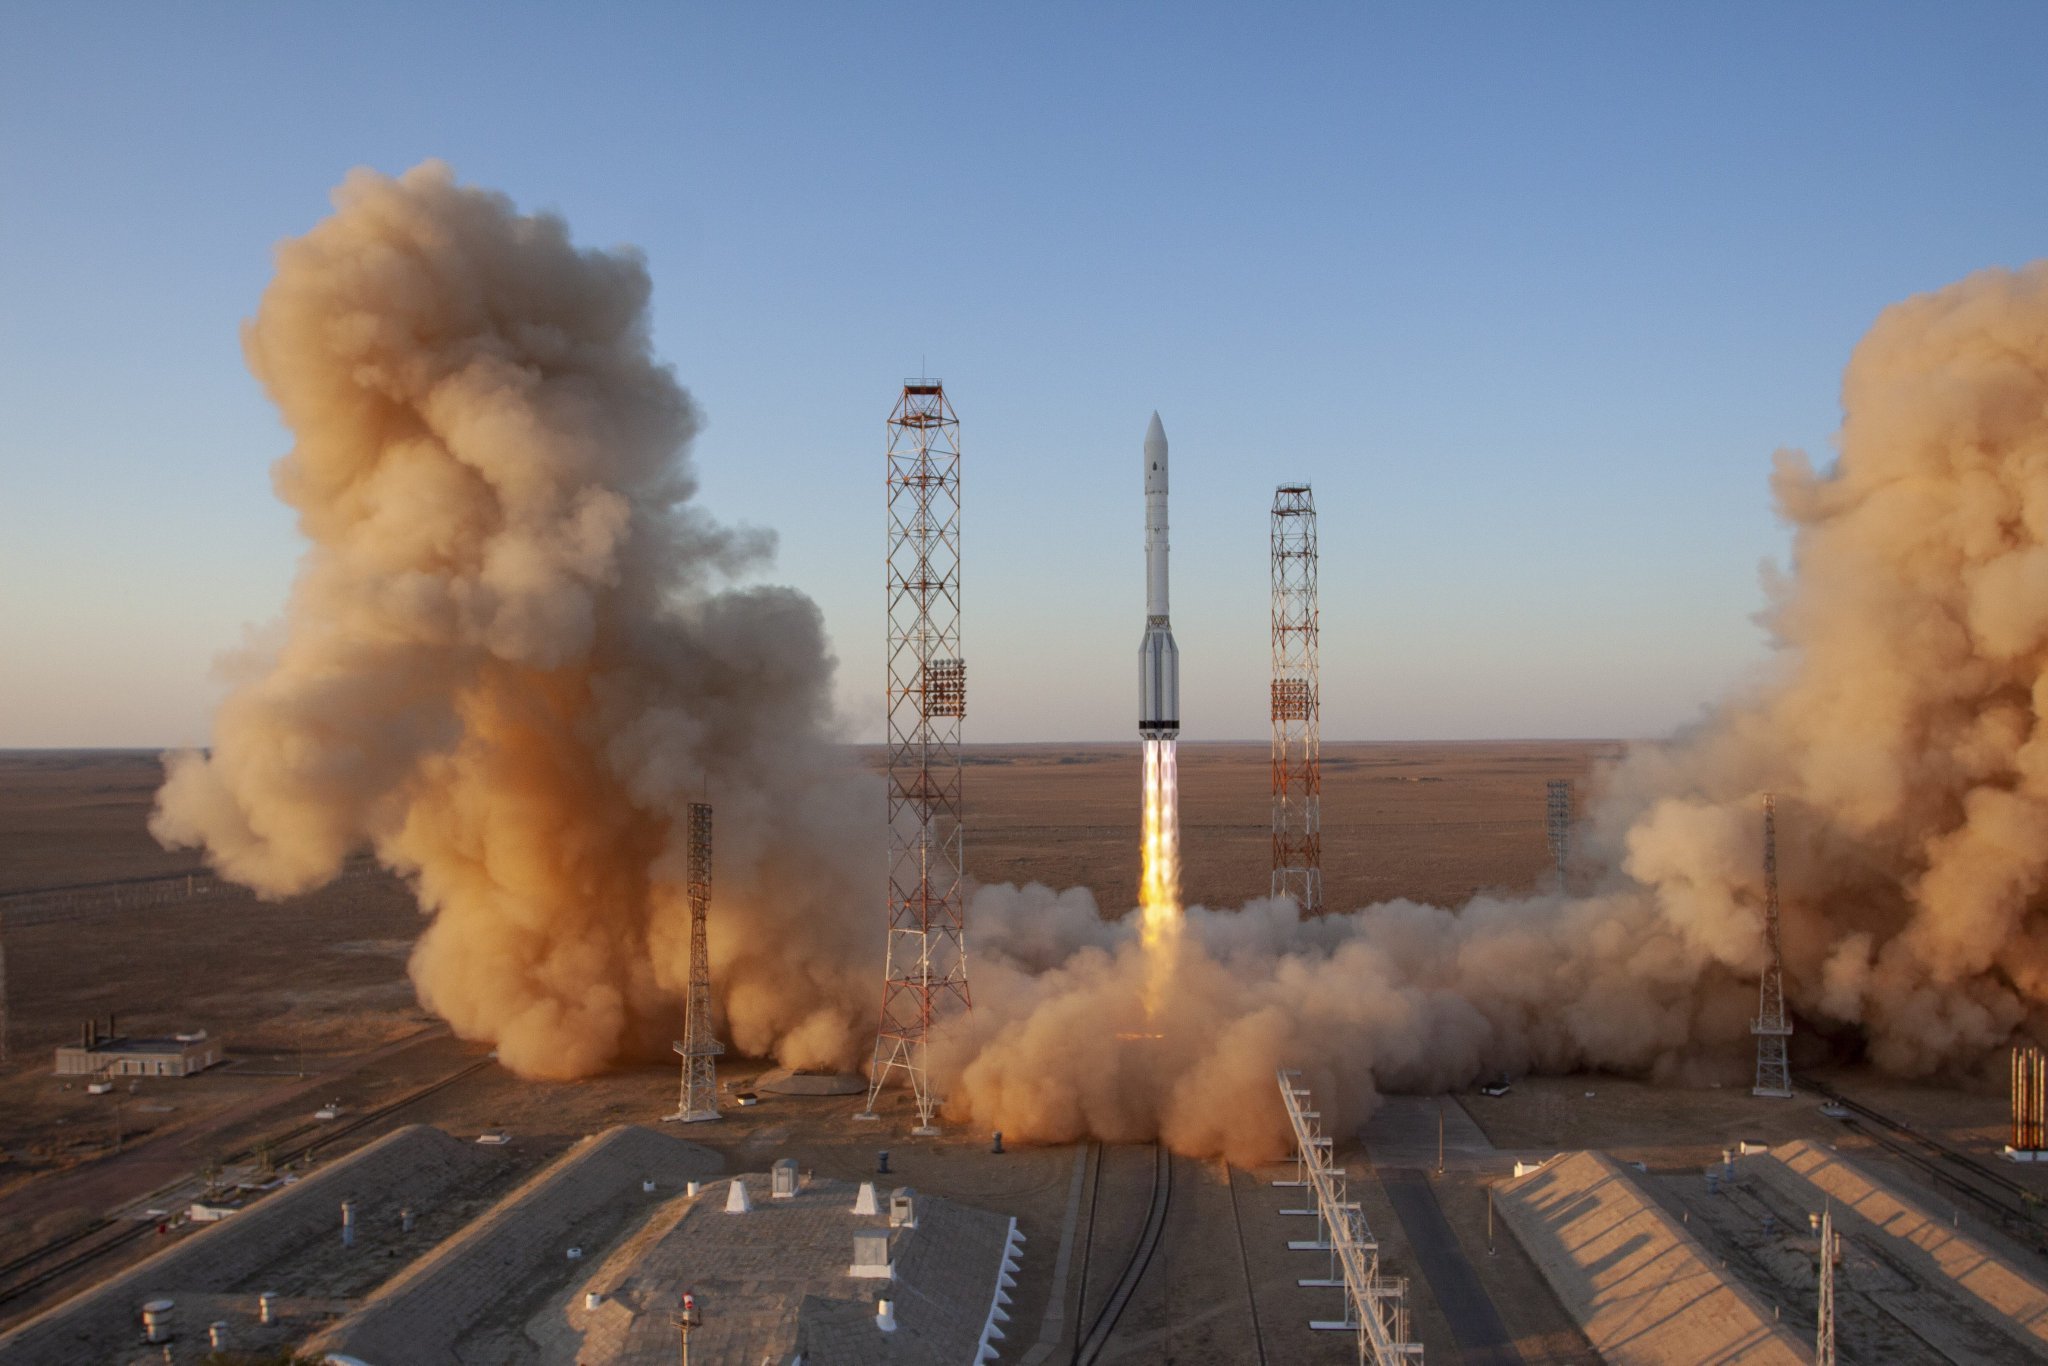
1158 656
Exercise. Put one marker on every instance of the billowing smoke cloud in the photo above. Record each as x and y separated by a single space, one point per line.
1901 727
509 661
512 657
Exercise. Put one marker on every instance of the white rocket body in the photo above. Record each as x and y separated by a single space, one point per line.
1158 656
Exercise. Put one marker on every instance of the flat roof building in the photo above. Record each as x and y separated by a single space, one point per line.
109 1054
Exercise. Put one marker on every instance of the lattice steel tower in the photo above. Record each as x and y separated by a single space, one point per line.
699 1045
1297 702
1772 1026
1824 1326
1558 824
926 977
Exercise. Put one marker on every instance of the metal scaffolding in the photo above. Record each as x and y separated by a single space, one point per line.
1558 825
699 1045
1297 702
926 976
1374 1304
1772 1025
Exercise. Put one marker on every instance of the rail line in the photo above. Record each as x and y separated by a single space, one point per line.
1244 1263
2016 1208
1089 1346
137 1228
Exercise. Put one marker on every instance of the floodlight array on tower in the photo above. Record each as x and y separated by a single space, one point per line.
1374 1303
1297 702
926 975
1772 1025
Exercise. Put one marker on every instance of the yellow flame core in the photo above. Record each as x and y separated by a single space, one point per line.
1159 893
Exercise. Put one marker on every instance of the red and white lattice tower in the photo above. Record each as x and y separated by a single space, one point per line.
926 976
1772 1025
1297 703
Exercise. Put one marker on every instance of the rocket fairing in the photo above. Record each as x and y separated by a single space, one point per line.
1158 656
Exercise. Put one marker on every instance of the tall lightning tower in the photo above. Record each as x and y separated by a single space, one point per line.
699 1045
1297 702
926 976
1558 824
1771 1026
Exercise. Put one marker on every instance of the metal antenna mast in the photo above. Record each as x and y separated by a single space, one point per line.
699 1046
927 699
1297 702
1560 824
1772 1026
1824 1330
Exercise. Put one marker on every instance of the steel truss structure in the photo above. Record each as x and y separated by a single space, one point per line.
699 1045
1374 1304
926 976
1297 702
1772 1026
1558 824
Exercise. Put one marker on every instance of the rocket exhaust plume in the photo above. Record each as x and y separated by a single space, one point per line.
509 660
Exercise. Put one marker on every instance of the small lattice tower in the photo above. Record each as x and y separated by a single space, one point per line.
1824 1327
926 975
699 1045
1297 702
2029 1101
1772 1026
1558 824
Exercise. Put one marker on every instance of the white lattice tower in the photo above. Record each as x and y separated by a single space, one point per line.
926 975
1824 1328
699 1045
1772 1026
1558 824
1297 702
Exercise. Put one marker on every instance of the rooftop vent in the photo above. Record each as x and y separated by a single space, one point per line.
871 1255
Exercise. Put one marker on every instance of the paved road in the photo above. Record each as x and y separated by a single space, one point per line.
1483 1340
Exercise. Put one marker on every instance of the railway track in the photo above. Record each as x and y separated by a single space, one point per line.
2014 1207
1088 1346
32 1270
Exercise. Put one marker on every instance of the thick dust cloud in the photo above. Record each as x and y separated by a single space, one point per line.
509 660
513 654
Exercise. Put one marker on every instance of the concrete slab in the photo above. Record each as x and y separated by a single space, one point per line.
1643 1290
1924 1244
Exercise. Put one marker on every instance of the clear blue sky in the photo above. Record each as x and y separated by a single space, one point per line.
1529 292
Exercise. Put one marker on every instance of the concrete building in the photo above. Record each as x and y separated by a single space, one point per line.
108 1054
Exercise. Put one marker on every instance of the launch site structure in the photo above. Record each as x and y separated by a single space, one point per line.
1558 824
699 1045
1772 1026
1297 702
926 974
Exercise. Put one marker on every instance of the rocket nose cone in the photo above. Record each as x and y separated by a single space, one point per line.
1155 435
